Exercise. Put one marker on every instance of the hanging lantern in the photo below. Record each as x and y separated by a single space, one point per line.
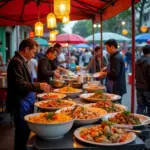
144 29
61 8
65 19
39 29
52 36
124 32
31 34
51 20
56 32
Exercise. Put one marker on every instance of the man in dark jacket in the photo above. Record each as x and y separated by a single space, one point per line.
142 76
48 69
20 92
115 80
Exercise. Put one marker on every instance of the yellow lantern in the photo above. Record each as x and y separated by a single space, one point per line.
144 28
52 36
56 31
39 29
65 19
61 8
51 20
124 32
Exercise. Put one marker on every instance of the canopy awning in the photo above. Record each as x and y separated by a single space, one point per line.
25 12
41 42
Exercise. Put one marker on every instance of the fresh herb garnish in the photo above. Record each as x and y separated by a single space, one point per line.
58 101
126 112
99 91
50 115
108 135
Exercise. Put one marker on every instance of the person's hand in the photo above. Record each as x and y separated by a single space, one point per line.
57 75
103 75
45 87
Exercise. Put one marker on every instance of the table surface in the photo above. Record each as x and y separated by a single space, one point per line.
69 142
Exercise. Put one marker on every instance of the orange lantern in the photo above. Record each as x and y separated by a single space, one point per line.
52 36
62 8
31 34
51 20
144 29
39 29
65 19
124 32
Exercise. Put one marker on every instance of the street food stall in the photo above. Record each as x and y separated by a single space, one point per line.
65 128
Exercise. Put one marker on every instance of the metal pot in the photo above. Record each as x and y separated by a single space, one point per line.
57 83
3 81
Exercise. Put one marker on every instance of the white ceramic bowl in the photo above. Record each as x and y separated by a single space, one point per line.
70 94
48 131
60 96
86 121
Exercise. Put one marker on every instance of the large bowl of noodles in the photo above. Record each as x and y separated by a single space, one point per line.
49 125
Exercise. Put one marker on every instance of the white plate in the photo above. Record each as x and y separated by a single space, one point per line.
116 105
93 88
97 74
37 104
69 93
86 121
131 138
142 118
60 96
114 97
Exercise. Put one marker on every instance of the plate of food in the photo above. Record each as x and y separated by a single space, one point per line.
93 87
108 106
69 91
104 135
98 96
127 118
84 115
52 105
48 96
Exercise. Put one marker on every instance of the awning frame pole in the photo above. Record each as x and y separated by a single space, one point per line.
133 57
93 45
101 40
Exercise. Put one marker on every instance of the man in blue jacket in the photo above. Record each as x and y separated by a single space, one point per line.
20 93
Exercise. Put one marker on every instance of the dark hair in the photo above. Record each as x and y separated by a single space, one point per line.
97 48
111 42
50 50
146 49
57 45
86 50
27 43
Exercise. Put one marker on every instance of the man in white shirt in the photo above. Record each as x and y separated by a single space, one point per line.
62 60
33 67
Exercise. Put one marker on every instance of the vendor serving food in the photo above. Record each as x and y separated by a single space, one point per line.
45 66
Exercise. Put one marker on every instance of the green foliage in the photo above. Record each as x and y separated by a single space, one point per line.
60 27
83 28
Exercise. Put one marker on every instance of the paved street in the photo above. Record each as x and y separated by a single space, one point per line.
127 97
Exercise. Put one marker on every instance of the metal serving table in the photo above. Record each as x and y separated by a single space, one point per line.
69 142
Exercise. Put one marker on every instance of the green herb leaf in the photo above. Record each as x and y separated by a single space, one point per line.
99 91
50 115
126 112
108 135
58 101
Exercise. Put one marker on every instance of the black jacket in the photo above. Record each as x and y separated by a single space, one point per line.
45 69
142 73
19 83
117 73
